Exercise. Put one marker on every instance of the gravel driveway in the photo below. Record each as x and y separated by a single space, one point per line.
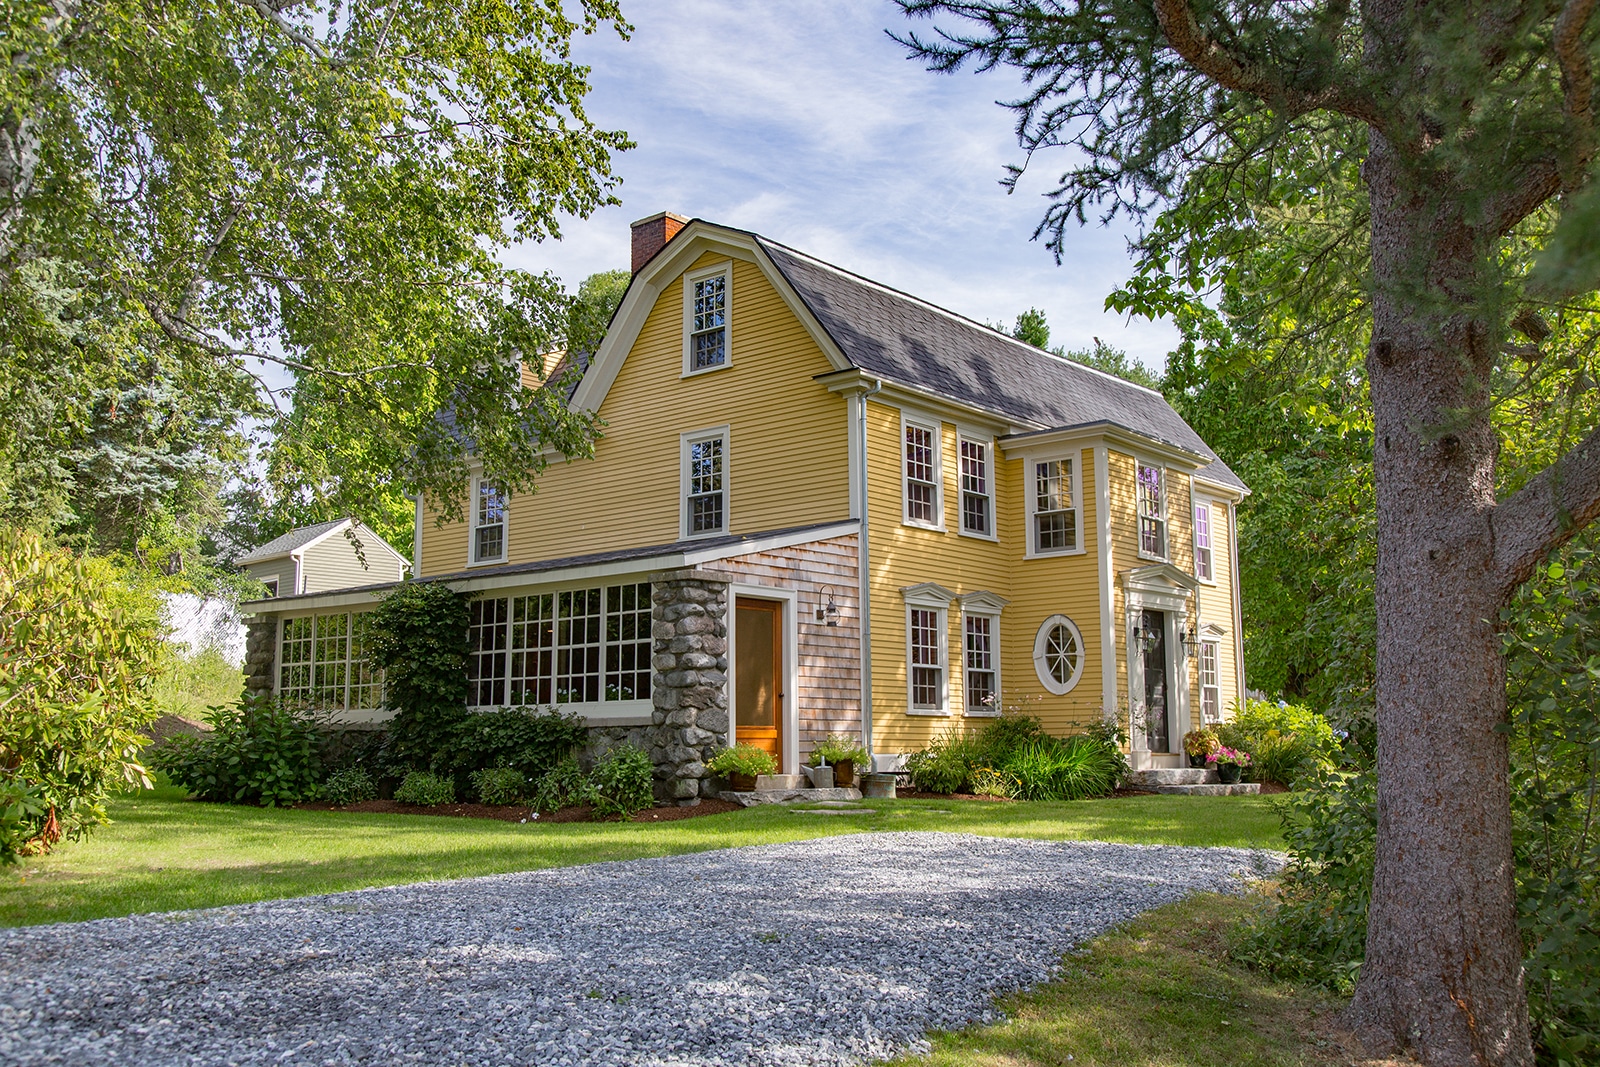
828 951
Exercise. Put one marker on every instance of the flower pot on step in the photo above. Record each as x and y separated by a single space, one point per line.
844 774
1198 762
1229 773
742 783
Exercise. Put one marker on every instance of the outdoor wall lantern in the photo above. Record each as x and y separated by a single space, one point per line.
828 610
1191 644
1145 637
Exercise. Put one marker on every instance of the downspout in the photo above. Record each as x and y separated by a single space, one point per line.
1238 602
416 538
864 565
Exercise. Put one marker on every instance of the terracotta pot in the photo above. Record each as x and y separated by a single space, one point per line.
844 774
742 783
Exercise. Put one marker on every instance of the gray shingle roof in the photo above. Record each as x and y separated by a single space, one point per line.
287 543
910 342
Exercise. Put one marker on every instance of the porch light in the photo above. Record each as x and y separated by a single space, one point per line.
1145 638
1191 644
828 611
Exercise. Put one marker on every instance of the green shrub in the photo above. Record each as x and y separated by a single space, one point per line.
742 759
564 787
1001 737
622 782
836 748
349 786
943 767
992 782
425 789
1288 742
78 649
499 785
529 740
419 639
1072 768
258 752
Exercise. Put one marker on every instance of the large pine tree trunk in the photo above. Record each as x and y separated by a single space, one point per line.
1443 973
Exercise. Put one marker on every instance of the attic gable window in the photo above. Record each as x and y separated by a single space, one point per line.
1055 516
489 523
707 296
1152 490
705 480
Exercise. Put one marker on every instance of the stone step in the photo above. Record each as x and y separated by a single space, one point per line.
767 782
1213 789
787 796
1154 776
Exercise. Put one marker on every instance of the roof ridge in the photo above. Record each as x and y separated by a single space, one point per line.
954 315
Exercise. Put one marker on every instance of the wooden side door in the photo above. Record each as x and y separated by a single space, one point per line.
758 675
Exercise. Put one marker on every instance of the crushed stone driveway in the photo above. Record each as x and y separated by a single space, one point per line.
829 951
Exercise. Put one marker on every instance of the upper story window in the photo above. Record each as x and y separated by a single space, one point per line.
488 523
1055 515
1202 541
921 466
705 479
707 296
1152 492
977 490
272 586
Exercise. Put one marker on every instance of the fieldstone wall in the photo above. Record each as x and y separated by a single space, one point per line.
260 648
689 679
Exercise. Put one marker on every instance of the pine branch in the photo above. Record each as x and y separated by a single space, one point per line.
1546 513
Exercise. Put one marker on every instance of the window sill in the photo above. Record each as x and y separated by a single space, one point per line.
930 527
1054 555
929 713
724 365
1154 559
487 562
995 714
703 534
995 538
1206 581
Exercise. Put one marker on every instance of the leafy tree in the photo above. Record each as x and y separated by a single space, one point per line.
1032 328
1473 130
293 209
596 301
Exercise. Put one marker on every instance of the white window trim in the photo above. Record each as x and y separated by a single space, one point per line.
725 269
982 611
1216 647
929 596
989 476
472 528
1166 511
1047 679
1195 504
272 587
684 441
1030 492
937 427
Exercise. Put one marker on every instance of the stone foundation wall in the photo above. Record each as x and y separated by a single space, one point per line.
260 649
689 679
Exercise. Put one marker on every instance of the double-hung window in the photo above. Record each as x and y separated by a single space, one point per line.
980 666
1202 541
705 483
1152 491
1055 516
927 659
977 489
1210 687
488 523
921 466
707 296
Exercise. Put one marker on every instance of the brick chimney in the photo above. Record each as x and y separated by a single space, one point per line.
652 234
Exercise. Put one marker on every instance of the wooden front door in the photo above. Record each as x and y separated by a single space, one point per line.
1155 681
758 675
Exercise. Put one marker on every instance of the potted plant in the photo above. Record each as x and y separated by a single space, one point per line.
740 765
1229 762
841 752
1199 744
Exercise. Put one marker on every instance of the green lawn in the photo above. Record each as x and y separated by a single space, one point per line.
163 852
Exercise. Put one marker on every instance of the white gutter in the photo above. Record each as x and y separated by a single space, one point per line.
864 566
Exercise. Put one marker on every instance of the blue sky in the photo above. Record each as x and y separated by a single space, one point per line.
804 122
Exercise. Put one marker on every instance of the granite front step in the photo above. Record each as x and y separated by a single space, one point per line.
1155 776
789 796
1210 789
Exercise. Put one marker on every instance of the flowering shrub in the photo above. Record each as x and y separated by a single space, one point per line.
1224 754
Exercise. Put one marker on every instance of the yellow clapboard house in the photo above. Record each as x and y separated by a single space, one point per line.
816 495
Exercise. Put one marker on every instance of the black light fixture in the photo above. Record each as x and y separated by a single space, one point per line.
828 610
1191 644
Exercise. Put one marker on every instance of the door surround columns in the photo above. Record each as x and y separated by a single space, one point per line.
1164 588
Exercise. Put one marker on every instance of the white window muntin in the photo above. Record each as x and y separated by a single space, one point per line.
1069 496
704 320
488 524
922 471
583 646
927 649
703 483
1205 561
1151 488
1058 654
324 662
980 661
1210 683
975 476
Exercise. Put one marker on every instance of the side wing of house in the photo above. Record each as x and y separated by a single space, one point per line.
333 562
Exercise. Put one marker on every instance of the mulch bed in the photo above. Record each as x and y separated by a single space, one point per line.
520 813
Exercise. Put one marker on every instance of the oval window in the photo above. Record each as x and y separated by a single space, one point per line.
1058 654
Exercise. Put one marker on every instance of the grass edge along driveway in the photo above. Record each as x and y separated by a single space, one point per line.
165 853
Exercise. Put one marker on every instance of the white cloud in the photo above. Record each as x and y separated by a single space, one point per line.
806 123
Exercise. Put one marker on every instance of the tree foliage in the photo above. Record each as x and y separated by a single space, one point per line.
285 217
